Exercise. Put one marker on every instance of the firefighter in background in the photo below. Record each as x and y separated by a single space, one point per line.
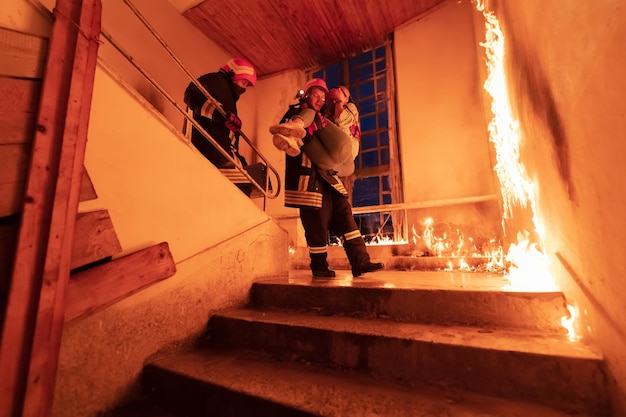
226 86
318 192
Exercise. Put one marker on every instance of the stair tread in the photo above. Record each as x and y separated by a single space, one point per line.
481 338
335 393
407 280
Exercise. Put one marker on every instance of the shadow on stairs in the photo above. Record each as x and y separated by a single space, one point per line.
394 343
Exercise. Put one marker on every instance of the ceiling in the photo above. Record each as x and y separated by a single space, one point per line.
278 35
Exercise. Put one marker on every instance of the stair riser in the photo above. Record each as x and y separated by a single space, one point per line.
491 309
568 384
193 398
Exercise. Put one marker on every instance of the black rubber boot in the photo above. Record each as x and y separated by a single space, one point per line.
359 258
319 266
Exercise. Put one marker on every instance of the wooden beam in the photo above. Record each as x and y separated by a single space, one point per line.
35 311
106 284
94 238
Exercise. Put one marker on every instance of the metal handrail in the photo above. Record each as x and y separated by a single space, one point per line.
275 190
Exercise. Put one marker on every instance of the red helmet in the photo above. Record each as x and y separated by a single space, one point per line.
242 69
315 82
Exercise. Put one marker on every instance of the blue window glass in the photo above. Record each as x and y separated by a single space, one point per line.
381 104
365 72
386 198
369 159
381 84
364 58
368 123
366 89
366 192
318 74
367 106
386 186
368 141
381 66
333 75
384 138
380 52
382 120
384 156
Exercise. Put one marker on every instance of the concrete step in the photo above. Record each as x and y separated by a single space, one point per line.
421 300
525 366
204 383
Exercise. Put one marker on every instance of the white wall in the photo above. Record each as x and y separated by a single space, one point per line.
443 139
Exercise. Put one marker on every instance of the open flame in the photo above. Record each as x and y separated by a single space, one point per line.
530 268
515 186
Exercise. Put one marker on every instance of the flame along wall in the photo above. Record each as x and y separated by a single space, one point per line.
563 64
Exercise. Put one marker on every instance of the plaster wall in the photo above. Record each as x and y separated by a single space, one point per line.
564 65
444 145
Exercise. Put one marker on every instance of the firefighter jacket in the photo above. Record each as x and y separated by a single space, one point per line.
222 89
302 178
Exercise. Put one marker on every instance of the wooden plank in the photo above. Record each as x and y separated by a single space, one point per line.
94 238
35 311
16 127
22 54
106 284
19 95
12 197
13 168
18 109
13 162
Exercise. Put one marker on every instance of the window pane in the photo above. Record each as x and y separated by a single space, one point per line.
381 66
384 156
369 159
380 52
369 224
369 141
366 192
318 74
386 186
368 123
381 84
365 72
382 120
366 89
386 198
367 106
384 138
333 75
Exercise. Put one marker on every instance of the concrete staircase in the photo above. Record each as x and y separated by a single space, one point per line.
396 343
